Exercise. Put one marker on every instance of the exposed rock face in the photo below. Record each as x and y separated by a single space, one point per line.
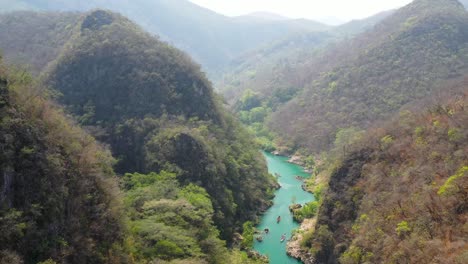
293 248
334 223
296 160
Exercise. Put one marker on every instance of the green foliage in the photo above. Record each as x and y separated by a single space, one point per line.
248 101
157 111
309 210
364 79
49 261
165 249
454 135
454 183
355 255
248 235
318 191
386 141
169 221
240 257
403 228
309 162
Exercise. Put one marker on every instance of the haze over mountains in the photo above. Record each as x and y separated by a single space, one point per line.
117 149
212 39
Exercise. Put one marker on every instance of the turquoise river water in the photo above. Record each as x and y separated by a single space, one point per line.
289 193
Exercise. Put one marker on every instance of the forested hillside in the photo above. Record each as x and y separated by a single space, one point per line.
369 77
212 39
60 201
159 115
399 193
155 109
261 68
161 172
59 197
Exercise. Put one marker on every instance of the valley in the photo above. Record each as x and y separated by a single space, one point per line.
289 193
163 132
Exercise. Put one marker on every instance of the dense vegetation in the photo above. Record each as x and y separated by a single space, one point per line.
212 39
59 198
157 112
60 202
406 56
367 78
192 177
400 195
267 69
168 221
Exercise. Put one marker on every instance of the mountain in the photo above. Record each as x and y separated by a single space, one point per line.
190 174
358 81
158 112
255 68
398 194
59 197
270 77
212 39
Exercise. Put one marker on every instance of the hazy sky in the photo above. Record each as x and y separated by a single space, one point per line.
313 9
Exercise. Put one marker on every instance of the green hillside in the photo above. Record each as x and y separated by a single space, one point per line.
116 148
356 82
191 175
155 109
262 68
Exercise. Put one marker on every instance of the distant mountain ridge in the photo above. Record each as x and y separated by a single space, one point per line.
263 16
364 79
254 69
212 39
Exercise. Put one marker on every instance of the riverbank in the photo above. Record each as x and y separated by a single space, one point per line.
293 159
294 248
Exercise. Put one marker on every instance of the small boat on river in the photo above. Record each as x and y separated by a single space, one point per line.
278 219
283 238
299 178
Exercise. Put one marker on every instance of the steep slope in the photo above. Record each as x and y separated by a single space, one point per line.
59 199
212 39
399 195
372 76
157 111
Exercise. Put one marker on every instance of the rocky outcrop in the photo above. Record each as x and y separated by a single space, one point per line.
296 159
294 249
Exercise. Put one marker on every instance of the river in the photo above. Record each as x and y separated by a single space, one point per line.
290 192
